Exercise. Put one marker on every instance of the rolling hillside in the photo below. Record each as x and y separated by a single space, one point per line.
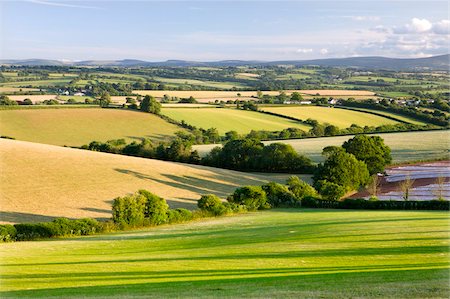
41 181
75 127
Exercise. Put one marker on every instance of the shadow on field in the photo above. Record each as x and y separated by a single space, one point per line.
336 282
17 217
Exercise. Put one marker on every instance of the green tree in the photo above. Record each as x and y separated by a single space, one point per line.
252 197
211 203
4 100
300 188
149 104
155 208
281 157
295 96
330 191
371 150
105 99
279 195
331 130
343 169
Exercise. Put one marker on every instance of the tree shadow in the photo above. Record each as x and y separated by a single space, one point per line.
16 217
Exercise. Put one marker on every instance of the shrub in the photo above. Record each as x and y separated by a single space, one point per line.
178 215
86 226
129 210
252 197
155 208
31 231
330 191
7 233
279 195
300 188
212 204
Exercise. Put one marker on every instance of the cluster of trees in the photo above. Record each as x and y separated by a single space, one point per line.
252 155
351 166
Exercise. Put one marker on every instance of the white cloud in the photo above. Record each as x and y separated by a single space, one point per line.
442 27
304 51
324 51
423 26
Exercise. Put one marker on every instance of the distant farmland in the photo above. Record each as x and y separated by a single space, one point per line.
407 146
41 181
225 119
203 94
75 127
338 117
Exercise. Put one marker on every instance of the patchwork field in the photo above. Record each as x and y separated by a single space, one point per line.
408 146
224 119
41 181
203 94
338 117
390 114
272 254
75 127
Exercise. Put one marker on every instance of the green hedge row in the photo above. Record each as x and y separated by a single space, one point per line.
57 228
360 203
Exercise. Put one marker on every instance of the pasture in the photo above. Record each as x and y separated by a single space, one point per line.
41 181
338 117
295 253
226 119
405 146
75 127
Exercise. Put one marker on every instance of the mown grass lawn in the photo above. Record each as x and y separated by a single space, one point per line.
279 253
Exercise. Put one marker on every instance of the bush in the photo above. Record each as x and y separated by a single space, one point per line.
252 197
212 204
155 208
178 215
129 210
31 231
300 188
330 191
7 233
279 195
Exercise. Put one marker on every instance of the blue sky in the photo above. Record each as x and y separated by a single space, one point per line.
216 30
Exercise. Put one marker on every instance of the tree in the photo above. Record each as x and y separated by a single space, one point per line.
279 195
440 188
129 210
213 135
155 208
300 188
283 157
211 203
343 169
371 150
105 99
149 104
405 187
331 130
252 197
4 100
374 186
297 97
27 102
231 135
330 191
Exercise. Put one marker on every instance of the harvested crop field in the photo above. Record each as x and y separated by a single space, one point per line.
341 118
224 119
41 181
75 127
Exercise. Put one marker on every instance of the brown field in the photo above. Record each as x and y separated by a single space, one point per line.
39 181
204 94
33 98
15 89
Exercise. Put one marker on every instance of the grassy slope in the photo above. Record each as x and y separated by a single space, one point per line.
408 146
75 127
338 117
278 253
397 116
41 181
231 119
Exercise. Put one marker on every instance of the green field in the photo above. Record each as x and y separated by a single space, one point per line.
183 81
338 117
37 83
75 127
273 254
224 119
390 114
407 146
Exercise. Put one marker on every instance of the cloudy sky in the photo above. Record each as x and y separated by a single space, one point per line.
216 30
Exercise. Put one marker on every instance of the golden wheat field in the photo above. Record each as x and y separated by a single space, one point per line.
41 181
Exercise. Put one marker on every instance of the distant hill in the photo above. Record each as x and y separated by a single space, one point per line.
441 62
